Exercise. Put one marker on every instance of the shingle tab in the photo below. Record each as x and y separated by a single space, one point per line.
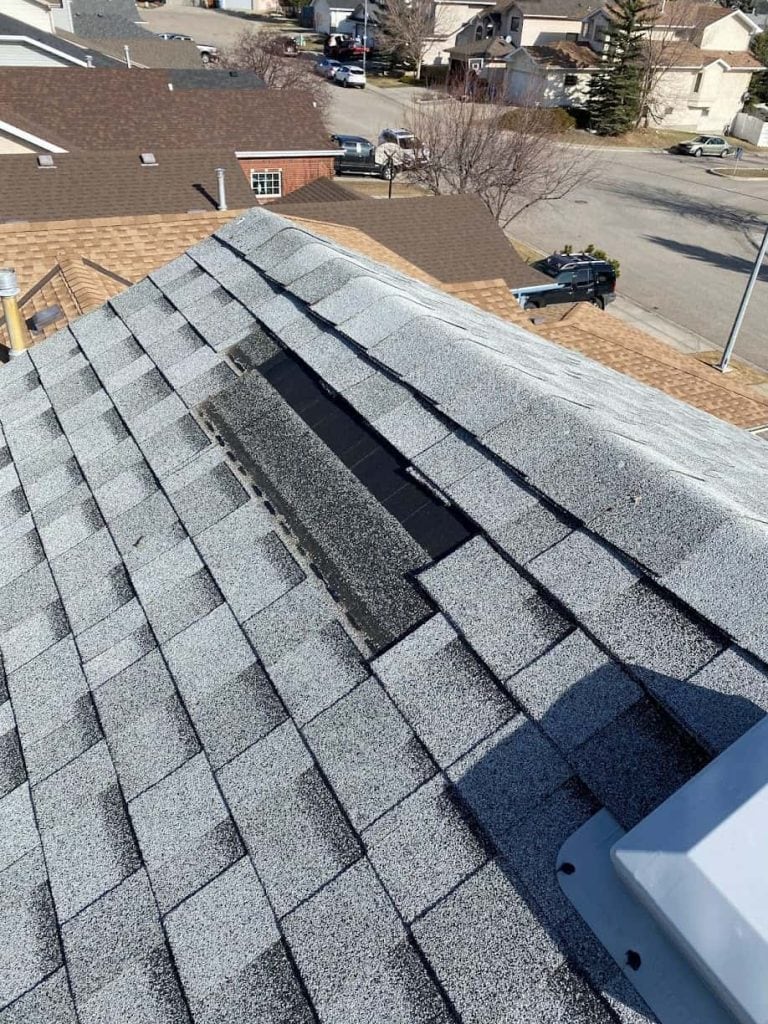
185 832
86 836
369 753
365 971
499 613
295 832
29 945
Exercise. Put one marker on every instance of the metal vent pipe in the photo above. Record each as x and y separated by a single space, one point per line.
17 330
222 190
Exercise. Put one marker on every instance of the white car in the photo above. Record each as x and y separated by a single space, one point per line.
350 75
413 149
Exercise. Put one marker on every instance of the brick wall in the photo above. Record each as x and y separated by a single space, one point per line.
297 171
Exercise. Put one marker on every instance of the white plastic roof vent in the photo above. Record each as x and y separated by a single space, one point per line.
45 160
699 864
148 159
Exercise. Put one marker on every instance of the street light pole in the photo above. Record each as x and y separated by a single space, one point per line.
365 33
722 366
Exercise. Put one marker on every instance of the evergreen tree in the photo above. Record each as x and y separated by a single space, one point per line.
615 91
758 86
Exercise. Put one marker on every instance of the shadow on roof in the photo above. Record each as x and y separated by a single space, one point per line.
527 797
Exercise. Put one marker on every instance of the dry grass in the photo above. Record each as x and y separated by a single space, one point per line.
376 188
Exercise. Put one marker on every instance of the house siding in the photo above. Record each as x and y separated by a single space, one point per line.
30 13
296 171
712 109
540 31
726 34
21 55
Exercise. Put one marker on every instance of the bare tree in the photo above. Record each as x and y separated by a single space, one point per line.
406 27
510 163
668 44
266 54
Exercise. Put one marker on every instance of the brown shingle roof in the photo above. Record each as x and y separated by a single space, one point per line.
452 238
79 264
104 108
112 184
564 54
323 190
149 52
687 55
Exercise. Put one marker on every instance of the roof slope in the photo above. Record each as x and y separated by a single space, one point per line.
148 51
108 19
115 183
151 116
237 802
12 27
453 237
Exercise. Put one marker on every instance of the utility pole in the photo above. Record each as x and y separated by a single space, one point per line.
722 366
365 34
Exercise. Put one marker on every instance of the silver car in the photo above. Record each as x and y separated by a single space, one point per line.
705 145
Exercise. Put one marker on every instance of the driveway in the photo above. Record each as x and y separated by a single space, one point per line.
204 26
686 240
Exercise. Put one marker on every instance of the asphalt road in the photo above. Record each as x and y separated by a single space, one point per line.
686 240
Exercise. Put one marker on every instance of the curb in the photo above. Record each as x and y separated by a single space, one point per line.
736 177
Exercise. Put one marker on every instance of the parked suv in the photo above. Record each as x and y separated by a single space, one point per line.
578 277
358 156
705 145
413 149
350 75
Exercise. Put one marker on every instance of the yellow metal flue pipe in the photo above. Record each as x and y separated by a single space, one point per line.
14 321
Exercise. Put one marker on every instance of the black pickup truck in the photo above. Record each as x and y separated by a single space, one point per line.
578 277
358 156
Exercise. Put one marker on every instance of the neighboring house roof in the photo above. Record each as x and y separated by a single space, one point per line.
489 48
107 19
109 109
322 190
79 264
115 183
453 237
564 56
687 55
214 78
13 27
360 602
148 51
571 9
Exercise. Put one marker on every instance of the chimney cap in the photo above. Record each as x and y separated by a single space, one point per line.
9 285
45 160
148 159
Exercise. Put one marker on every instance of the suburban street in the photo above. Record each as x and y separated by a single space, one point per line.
685 238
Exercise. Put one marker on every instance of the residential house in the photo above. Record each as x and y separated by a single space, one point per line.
23 45
276 136
702 52
376 621
332 15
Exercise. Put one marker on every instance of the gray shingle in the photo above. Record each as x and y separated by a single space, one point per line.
49 1002
295 833
573 690
208 499
365 971
442 690
147 728
118 962
218 933
34 635
86 836
250 563
583 573
313 675
27 594
124 456
98 436
720 702
185 832
423 848
29 945
147 530
368 752
285 624
78 567
125 490
468 939
177 443
483 779
652 635
53 484
208 652
110 630
636 762
18 830
86 607
499 613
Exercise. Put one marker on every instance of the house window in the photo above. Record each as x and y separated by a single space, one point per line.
267 183
479 32
571 80
571 37
697 83
514 25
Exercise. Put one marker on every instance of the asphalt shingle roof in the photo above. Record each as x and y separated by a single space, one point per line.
228 794
152 116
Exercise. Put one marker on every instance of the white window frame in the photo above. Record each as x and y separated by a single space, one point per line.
270 173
